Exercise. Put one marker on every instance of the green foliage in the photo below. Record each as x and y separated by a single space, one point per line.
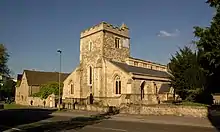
186 71
209 46
8 88
4 56
197 75
14 106
48 89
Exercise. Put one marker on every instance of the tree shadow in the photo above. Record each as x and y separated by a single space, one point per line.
214 116
74 123
13 117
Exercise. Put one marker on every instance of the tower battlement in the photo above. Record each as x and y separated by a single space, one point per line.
123 30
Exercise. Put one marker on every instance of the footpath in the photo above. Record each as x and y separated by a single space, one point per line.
172 120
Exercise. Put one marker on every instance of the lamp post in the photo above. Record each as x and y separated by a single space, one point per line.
60 52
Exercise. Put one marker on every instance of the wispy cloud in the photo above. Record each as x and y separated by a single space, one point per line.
164 33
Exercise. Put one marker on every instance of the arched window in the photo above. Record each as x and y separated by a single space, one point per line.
117 85
142 89
72 88
90 75
155 87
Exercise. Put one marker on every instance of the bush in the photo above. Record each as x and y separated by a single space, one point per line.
48 89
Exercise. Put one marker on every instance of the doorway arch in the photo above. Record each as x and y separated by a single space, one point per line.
91 98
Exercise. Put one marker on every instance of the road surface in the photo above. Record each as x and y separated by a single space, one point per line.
120 126
64 124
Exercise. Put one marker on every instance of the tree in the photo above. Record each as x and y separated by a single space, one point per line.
209 46
4 56
8 88
188 78
48 89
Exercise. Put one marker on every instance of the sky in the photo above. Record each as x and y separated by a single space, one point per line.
33 30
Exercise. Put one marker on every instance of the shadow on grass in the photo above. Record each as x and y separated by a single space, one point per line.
74 123
14 117
214 116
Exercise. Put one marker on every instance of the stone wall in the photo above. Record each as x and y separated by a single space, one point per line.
193 111
94 108
36 101
109 51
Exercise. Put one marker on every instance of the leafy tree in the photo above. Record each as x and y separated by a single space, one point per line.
188 78
4 56
48 89
8 88
4 70
209 45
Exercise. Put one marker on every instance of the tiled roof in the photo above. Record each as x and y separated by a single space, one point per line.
164 88
140 70
37 78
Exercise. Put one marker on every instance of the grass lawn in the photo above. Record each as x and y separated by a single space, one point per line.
14 106
187 103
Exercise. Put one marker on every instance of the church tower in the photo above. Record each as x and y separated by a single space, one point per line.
101 41
105 40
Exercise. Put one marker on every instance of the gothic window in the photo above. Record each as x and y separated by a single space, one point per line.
142 90
90 75
117 85
155 86
90 45
72 88
117 42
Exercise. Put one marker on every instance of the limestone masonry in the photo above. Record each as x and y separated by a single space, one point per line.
108 75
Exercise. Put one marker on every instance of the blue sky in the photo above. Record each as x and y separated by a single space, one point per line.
33 30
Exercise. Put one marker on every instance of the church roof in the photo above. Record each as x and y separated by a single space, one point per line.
140 70
37 78
164 88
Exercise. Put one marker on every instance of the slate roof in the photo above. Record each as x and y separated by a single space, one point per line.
36 78
165 88
140 70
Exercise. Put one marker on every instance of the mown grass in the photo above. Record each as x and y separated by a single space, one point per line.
14 106
187 103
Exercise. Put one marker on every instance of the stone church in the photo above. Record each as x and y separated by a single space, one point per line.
107 73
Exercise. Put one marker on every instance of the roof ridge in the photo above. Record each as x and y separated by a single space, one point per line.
46 71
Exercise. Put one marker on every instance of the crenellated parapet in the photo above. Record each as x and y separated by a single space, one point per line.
123 30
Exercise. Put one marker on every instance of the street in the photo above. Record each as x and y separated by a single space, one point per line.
41 120
65 124
119 126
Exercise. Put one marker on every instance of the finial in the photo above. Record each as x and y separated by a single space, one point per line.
123 26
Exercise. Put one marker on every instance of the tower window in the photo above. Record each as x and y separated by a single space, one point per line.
117 42
117 85
90 75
